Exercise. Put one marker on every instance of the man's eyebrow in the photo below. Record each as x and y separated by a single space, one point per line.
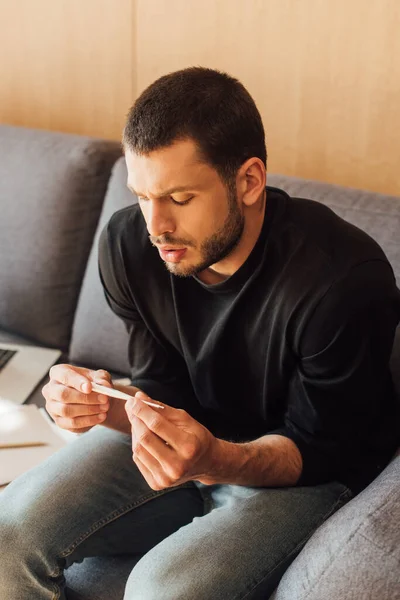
169 192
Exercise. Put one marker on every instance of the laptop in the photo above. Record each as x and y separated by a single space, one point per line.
22 368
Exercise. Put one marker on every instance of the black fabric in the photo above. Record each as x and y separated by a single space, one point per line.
296 342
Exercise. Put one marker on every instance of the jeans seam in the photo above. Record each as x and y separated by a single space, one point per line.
346 493
56 593
111 517
117 513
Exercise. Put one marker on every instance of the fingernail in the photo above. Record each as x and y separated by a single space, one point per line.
85 387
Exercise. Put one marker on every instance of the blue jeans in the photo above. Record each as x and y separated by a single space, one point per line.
192 542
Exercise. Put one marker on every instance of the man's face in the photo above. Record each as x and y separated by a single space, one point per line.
191 217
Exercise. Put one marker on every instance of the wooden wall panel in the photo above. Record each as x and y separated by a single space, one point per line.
67 65
325 76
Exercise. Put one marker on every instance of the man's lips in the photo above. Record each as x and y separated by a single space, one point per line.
171 254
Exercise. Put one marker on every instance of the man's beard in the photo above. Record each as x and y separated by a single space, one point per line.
217 246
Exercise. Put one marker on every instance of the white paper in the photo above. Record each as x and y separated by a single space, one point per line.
24 424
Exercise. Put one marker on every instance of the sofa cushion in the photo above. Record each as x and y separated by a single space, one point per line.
52 187
99 338
356 553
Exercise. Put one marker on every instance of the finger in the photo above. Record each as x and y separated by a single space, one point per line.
155 420
71 411
143 437
77 423
74 377
78 378
61 393
166 466
153 468
146 473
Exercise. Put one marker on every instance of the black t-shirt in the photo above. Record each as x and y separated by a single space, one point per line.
296 342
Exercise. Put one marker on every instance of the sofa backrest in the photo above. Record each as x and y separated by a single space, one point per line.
52 187
99 339
376 214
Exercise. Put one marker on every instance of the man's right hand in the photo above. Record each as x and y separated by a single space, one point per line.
70 400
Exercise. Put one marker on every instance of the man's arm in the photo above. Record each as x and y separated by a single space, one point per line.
170 447
270 461
341 414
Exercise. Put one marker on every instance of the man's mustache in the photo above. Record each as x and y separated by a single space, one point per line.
166 239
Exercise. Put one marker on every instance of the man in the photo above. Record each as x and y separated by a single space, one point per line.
262 325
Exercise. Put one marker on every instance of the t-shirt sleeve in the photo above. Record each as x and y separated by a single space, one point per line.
343 384
155 368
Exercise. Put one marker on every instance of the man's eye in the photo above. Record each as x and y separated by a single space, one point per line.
182 202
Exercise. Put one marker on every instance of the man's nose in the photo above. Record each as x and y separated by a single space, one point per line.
158 219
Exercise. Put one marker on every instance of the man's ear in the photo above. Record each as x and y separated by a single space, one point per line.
251 180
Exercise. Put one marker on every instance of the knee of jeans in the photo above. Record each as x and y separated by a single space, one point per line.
21 530
171 578
14 546
144 585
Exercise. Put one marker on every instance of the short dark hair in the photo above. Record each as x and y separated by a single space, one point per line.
208 106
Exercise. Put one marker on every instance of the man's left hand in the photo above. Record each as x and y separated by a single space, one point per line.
170 447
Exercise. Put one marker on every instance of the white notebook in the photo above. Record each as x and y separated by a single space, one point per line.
24 424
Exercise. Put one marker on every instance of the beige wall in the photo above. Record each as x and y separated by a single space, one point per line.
67 64
325 75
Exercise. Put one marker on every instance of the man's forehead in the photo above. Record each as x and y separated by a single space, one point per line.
165 169
184 151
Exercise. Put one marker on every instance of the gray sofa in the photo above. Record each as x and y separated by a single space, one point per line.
56 193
